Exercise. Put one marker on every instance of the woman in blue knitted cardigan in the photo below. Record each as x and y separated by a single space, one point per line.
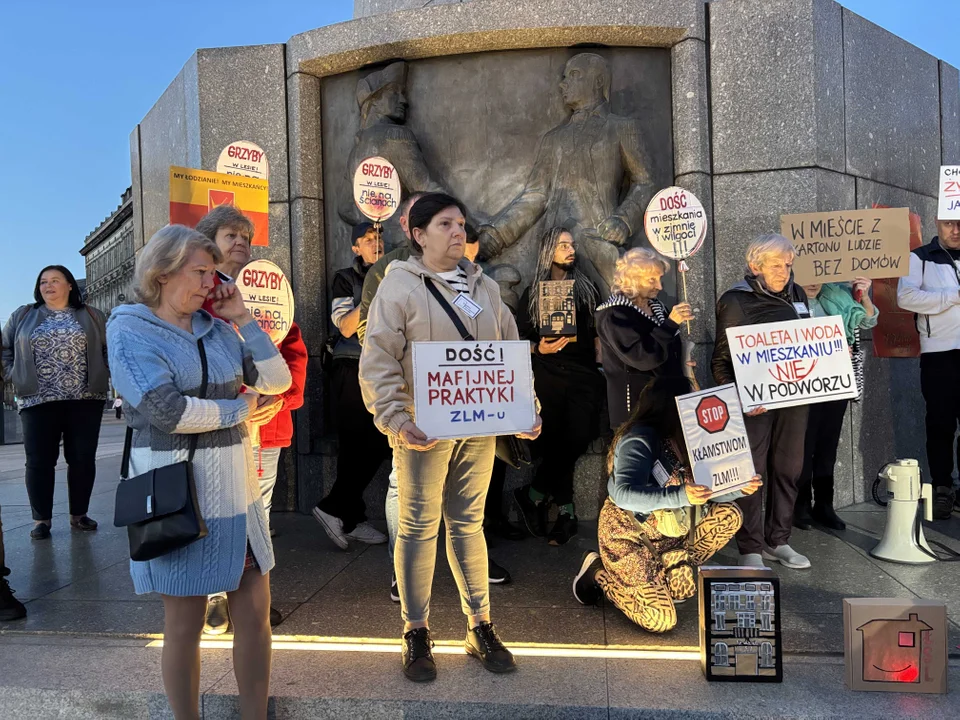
154 354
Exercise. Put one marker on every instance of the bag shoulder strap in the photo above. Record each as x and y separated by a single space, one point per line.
451 313
128 438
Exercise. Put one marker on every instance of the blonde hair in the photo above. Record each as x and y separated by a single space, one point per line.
638 261
766 247
165 254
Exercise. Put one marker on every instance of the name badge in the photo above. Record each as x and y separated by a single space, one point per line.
660 474
801 309
469 307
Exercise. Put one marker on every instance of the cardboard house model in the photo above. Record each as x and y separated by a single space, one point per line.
895 644
740 624
558 309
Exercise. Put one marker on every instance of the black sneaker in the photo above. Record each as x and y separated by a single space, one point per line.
41 531
483 643
501 528
943 500
563 529
534 514
84 523
827 516
418 663
275 617
217 620
394 590
497 575
585 588
10 607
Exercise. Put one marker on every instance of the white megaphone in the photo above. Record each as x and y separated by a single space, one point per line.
903 540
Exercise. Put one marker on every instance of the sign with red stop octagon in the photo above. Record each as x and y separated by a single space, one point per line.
712 414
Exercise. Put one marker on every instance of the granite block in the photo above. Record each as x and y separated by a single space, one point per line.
308 271
303 119
869 193
83 705
242 96
892 108
691 114
278 251
165 140
776 70
365 8
701 291
461 28
750 204
136 184
949 114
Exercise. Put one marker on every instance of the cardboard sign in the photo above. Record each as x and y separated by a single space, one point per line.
895 644
244 158
796 362
949 207
194 193
740 624
840 246
268 296
558 308
376 188
473 389
675 223
716 439
896 332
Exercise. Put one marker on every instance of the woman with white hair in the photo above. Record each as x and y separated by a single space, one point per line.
766 294
180 372
639 336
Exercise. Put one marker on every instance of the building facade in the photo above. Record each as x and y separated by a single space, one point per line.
109 256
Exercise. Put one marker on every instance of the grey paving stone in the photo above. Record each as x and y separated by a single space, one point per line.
90 616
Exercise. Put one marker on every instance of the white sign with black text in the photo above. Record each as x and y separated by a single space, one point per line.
473 389
716 438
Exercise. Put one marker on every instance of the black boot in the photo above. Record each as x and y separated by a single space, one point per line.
824 514
10 607
801 516
534 514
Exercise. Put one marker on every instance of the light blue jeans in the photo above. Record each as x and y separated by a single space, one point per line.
449 482
392 508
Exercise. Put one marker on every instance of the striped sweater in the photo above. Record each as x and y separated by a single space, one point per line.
156 368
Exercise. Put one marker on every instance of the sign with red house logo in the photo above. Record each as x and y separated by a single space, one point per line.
895 644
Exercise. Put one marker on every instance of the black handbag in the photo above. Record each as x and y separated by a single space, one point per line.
160 508
514 451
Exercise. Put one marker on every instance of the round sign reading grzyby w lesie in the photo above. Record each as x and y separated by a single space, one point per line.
376 188
675 223
244 158
268 296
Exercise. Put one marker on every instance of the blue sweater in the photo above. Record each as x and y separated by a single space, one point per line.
156 368
632 486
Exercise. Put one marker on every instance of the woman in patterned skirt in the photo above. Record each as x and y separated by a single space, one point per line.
649 532
55 352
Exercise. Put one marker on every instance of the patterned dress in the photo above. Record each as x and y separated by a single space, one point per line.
60 356
648 560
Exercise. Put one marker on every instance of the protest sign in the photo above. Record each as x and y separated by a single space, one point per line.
896 332
949 208
675 223
558 308
716 438
376 188
268 296
473 389
840 246
796 362
244 158
194 193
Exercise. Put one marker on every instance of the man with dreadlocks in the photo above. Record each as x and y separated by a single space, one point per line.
569 386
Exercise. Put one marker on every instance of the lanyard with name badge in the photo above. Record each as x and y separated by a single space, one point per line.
468 306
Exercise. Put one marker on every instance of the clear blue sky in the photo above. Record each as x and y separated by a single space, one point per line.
75 78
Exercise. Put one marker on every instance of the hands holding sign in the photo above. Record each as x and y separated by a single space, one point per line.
700 494
682 312
413 438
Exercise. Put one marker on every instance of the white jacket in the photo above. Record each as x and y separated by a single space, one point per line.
932 291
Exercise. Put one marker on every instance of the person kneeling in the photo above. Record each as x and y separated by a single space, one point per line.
650 533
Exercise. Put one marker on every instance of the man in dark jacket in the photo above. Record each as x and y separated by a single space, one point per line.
569 386
932 291
362 448
767 294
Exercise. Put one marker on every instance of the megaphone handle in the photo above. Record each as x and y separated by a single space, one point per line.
926 497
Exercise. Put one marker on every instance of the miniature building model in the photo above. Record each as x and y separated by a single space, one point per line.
740 624
895 644
558 311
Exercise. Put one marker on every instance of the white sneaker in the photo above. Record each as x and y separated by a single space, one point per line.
787 556
333 527
366 533
751 560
